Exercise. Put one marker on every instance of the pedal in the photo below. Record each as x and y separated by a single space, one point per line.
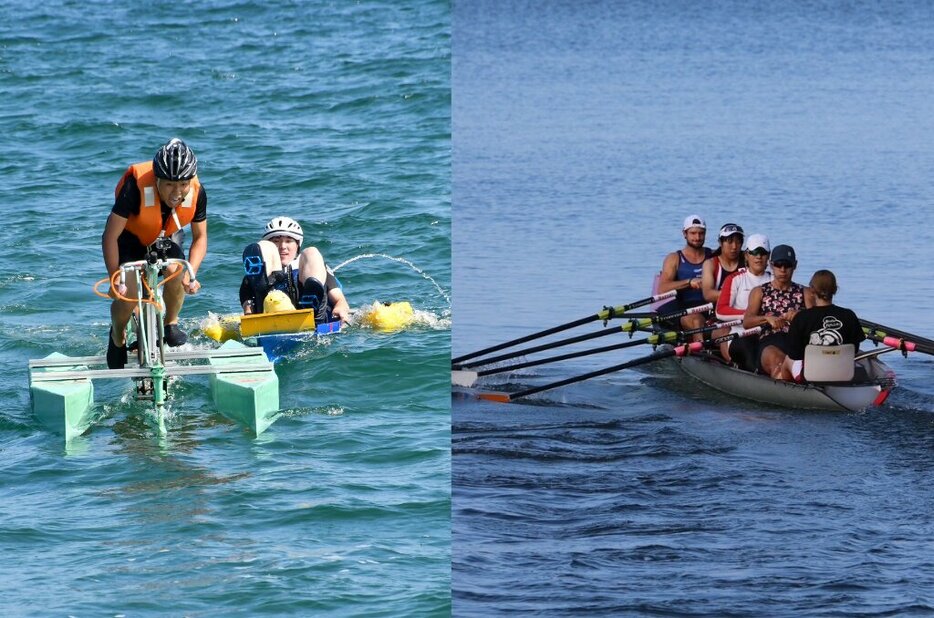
144 388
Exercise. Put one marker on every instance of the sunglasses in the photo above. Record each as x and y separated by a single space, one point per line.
783 264
760 252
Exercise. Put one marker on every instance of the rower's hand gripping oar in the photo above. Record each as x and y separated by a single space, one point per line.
630 327
681 350
607 314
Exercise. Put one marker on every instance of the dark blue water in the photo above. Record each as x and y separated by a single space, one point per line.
583 134
335 114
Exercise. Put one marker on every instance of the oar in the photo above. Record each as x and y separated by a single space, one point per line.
629 327
606 314
681 350
466 378
883 330
903 345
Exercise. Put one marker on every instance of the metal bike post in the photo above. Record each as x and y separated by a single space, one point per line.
157 348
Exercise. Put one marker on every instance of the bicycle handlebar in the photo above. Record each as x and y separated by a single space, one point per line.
158 264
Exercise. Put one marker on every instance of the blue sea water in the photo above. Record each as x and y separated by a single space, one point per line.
336 114
583 134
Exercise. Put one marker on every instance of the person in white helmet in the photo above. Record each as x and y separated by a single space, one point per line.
277 262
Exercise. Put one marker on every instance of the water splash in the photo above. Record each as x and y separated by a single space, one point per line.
441 291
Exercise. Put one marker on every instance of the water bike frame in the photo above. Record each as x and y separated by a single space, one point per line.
243 381
148 324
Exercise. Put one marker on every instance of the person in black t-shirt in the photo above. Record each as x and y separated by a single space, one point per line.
825 323
153 203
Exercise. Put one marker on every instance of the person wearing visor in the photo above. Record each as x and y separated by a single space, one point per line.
724 261
682 271
734 298
277 262
776 303
153 202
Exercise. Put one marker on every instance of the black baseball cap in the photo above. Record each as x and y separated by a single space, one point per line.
784 253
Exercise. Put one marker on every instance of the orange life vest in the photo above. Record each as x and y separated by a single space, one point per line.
147 224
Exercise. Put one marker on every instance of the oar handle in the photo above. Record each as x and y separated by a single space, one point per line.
709 327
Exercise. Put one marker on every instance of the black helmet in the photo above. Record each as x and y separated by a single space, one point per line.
175 161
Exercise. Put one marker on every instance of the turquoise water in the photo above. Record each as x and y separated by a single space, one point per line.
336 114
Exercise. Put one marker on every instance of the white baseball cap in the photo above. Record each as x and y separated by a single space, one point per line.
758 241
693 221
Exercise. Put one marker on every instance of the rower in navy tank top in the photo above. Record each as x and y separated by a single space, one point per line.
690 296
682 270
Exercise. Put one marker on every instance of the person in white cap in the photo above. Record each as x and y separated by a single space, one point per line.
724 261
682 270
277 262
734 298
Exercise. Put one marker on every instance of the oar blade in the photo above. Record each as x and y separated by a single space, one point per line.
497 397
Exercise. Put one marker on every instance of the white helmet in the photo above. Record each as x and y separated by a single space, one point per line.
283 226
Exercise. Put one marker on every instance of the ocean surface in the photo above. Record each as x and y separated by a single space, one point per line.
337 114
583 134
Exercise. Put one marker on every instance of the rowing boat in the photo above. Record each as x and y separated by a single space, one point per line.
710 369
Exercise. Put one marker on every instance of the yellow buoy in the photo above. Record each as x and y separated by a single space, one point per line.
388 316
224 328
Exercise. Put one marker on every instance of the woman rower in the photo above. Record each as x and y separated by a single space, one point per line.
727 259
734 298
776 303
823 324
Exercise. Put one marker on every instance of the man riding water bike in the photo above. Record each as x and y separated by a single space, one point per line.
154 201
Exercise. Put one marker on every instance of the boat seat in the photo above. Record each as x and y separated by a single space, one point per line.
829 363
